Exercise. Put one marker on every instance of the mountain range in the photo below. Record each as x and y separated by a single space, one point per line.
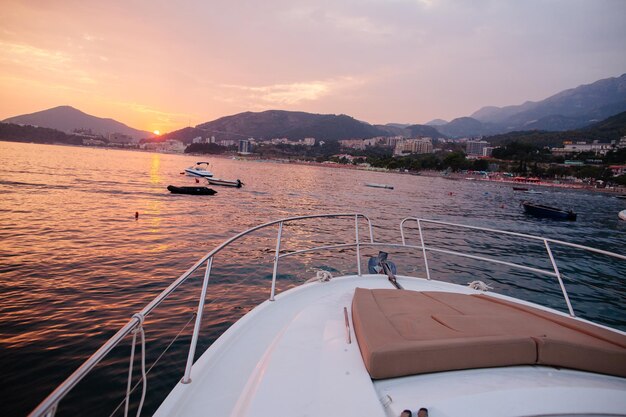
586 103
569 109
68 119
607 130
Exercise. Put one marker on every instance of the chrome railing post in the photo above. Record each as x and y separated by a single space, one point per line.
369 225
196 328
558 276
402 231
358 246
276 257
419 227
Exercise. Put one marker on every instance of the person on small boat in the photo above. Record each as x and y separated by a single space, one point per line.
406 413
422 412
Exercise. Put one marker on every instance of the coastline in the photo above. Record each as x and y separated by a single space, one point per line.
541 183
497 178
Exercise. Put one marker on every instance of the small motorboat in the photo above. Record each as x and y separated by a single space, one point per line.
526 190
200 169
541 210
225 183
622 215
371 184
191 190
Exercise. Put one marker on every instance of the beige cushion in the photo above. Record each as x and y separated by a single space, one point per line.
407 332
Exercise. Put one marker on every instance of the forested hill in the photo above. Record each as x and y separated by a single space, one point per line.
288 124
16 133
605 131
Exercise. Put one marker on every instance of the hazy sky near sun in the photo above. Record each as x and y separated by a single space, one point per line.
158 64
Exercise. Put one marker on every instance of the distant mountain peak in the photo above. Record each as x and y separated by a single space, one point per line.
67 119
436 122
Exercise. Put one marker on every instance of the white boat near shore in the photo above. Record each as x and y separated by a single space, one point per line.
200 169
375 344
226 183
375 185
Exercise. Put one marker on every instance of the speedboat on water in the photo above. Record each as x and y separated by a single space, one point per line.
226 183
376 185
200 169
540 210
378 342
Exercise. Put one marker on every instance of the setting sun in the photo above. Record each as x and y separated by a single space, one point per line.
156 132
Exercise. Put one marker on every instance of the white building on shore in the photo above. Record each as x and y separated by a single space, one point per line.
170 145
475 147
419 146
579 147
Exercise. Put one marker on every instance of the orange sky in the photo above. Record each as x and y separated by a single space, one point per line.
165 65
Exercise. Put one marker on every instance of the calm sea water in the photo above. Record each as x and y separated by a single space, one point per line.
75 264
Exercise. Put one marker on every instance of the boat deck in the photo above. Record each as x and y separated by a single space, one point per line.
291 357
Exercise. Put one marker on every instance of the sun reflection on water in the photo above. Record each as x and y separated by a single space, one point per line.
155 174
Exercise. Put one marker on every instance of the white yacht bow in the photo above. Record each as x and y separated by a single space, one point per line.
377 344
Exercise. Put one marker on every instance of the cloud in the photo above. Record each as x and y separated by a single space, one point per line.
359 25
337 19
162 117
294 93
27 54
50 63
92 38
285 93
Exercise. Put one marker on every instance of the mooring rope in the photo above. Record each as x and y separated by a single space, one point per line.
144 379
155 362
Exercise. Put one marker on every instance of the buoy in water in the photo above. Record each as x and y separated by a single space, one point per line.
136 215
197 180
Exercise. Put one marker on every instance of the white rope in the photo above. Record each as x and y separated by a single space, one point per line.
479 285
52 411
321 276
130 373
156 361
139 330
143 368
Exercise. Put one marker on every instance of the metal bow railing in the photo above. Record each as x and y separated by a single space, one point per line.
136 324
49 405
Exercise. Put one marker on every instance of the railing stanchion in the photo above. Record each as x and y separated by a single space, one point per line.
419 227
276 257
358 246
196 328
558 276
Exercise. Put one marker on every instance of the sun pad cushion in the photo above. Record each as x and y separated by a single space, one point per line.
406 332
